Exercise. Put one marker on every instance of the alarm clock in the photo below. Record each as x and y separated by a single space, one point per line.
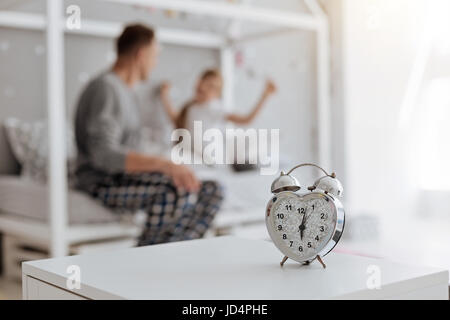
305 226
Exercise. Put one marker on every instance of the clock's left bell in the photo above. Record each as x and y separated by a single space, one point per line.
285 182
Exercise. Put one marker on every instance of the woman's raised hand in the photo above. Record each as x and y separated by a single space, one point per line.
270 88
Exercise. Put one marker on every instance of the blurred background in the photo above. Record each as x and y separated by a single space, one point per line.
389 113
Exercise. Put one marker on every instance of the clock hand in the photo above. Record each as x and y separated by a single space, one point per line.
302 226
309 215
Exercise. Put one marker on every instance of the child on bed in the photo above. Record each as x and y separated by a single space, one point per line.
206 105
207 108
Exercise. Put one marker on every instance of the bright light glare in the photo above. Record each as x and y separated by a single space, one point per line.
435 36
440 10
433 153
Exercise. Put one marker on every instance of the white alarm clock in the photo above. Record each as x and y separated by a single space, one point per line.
305 226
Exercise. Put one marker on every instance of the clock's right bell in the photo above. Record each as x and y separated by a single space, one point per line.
330 184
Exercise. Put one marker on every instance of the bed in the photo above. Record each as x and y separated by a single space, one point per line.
24 213
24 200
24 209
25 226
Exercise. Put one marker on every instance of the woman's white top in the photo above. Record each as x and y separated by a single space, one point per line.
211 115
202 117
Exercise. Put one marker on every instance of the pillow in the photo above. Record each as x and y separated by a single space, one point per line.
29 144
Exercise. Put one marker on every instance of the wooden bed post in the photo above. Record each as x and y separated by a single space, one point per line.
57 168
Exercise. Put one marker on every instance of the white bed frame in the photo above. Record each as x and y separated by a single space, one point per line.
59 235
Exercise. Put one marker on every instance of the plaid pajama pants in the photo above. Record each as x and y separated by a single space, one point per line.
171 215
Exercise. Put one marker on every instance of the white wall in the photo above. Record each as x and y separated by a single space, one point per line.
378 42
289 60
386 156
377 50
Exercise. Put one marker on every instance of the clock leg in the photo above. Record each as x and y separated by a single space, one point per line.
283 261
321 262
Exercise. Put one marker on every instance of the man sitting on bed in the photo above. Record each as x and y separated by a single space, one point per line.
112 169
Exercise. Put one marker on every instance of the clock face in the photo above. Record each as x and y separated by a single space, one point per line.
301 226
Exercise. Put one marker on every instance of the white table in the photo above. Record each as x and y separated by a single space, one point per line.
226 268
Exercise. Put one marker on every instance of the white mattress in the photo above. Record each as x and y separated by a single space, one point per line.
245 194
29 199
244 191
